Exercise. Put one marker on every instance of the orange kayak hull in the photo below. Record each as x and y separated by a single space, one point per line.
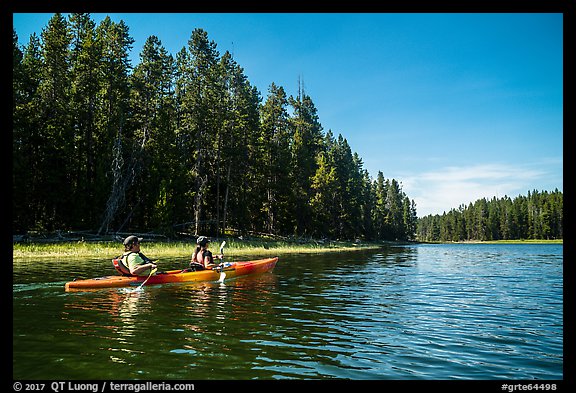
236 269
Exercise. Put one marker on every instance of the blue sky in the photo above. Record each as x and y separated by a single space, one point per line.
456 107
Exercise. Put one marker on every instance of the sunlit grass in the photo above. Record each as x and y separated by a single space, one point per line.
233 247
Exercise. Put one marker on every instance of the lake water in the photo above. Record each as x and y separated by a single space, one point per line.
418 312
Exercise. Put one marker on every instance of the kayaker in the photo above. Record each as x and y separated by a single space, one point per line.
138 263
202 257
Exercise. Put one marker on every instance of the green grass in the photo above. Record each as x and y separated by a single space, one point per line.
179 249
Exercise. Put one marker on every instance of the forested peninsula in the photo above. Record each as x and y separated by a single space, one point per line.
539 215
178 144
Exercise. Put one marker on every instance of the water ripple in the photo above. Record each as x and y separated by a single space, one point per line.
418 312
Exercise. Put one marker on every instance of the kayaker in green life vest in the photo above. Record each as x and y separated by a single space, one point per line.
138 263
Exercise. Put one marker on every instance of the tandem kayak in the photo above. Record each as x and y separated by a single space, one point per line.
234 269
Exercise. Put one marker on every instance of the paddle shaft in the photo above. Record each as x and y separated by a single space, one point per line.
222 274
147 278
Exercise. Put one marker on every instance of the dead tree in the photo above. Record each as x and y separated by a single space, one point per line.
123 174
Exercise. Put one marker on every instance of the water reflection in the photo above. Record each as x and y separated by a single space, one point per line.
180 319
429 312
336 314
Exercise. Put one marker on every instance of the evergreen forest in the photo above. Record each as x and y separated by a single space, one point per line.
536 216
179 143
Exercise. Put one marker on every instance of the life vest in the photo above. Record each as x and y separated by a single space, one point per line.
120 266
201 255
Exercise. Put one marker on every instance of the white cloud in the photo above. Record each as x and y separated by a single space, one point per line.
440 190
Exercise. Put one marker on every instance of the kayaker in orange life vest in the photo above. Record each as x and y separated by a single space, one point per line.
202 258
138 263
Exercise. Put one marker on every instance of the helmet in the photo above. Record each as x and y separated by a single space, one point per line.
202 240
131 240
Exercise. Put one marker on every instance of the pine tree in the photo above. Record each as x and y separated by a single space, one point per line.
197 123
410 218
306 144
394 208
368 207
276 138
56 139
119 151
325 212
26 143
152 109
380 211
242 155
85 57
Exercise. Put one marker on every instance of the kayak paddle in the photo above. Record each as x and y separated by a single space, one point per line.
150 275
222 274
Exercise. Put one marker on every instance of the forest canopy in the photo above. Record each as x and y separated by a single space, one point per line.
179 143
536 216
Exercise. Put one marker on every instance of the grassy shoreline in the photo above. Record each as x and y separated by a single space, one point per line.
234 248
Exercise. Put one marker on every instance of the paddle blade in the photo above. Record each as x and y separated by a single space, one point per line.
222 246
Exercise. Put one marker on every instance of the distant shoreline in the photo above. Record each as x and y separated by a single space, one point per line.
524 241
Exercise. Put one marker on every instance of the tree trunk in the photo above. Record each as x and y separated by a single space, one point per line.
226 197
